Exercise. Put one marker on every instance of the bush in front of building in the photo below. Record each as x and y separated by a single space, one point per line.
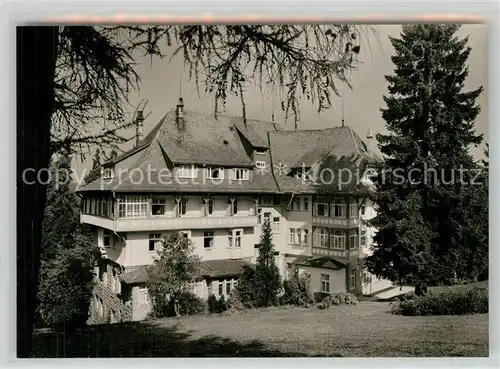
172 274
338 299
65 289
297 292
216 306
320 296
454 302
189 304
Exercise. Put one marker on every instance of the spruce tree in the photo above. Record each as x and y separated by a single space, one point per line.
424 207
68 255
267 281
95 172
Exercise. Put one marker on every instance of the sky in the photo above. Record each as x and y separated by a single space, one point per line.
163 78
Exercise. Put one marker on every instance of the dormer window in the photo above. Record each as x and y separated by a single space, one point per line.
187 171
215 173
260 164
240 174
108 173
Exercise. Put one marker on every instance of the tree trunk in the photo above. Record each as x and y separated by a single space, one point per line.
36 60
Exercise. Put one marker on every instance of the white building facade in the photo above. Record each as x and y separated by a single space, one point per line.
216 181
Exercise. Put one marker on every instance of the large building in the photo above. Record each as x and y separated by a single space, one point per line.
215 180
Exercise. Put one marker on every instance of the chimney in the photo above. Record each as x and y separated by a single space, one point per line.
139 122
179 115
369 142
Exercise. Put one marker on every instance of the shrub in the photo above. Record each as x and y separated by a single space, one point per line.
338 299
189 304
234 302
454 302
297 292
216 306
247 289
320 296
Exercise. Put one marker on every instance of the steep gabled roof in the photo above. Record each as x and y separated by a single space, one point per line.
255 131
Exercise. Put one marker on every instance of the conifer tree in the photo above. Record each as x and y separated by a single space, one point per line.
68 254
95 172
424 207
267 279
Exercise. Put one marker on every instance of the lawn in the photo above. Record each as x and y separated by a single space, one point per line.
366 329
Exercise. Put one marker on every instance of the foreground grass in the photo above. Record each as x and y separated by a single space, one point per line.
342 331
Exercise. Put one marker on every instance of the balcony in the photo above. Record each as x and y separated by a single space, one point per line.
323 251
335 222
161 223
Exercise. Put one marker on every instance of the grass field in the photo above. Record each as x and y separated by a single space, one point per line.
366 329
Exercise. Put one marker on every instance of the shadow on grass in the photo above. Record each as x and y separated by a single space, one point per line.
142 339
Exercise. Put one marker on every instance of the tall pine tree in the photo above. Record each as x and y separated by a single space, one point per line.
424 192
267 277
95 172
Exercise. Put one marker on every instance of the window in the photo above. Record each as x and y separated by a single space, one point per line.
107 240
233 206
208 240
353 210
306 203
210 288
260 164
108 173
295 236
187 171
181 207
237 238
305 238
230 238
240 174
296 203
266 200
210 206
267 217
215 173
321 237
362 240
353 238
228 288
133 207
221 288
325 283
338 239
158 206
338 208
113 281
363 209
352 278
260 151
320 207
276 224
111 209
154 241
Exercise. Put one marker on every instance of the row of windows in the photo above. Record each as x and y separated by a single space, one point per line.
233 240
298 236
336 208
191 171
224 287
336 238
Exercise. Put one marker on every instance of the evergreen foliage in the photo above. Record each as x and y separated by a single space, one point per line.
260 287
172 274
68 255
432 219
